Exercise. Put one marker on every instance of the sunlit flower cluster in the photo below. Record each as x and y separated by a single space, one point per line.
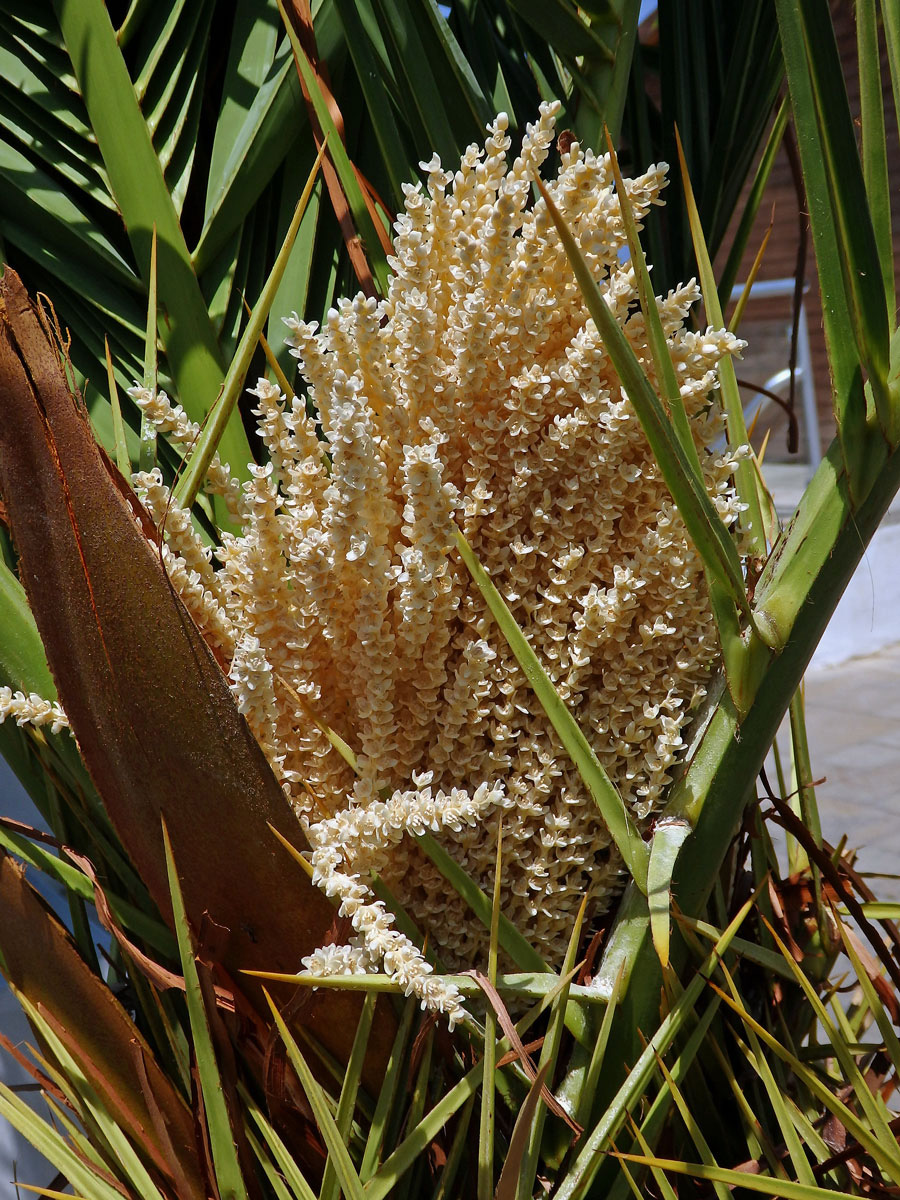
478 392
31 710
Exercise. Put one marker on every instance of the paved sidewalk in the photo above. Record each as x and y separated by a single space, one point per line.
853 722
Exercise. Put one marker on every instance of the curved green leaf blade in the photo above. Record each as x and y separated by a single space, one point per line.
337 1151
669 837
226 406
708 533
229 1177
605 795
144 200
338 154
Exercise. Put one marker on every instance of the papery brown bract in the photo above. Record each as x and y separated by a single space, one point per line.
156 723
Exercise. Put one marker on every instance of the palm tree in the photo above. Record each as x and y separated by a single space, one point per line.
152 161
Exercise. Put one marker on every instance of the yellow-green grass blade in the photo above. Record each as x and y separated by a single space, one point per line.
337 1151
710 536
630 1183
874 142
745 477
446 1187
788 1189
874 1101
393 151
123 459
381 1185
489 1061
68 1117
765 957
891 26
881 910
50 1192
654 1118
222 1144
595 1145
548 1060
151 364
776 1097
856 1127
665 1188
274 1179
45 1139
386 1097
143 198
283 1158
814 74
336 1068
729 273
120 1149
342 165
67 1111
585 1101
513 943
876 1005
347 1101
659 349
759 1144
211 437
668 838
738 315
409 1187
808 809
811 1137
604 794
523 984
874 1113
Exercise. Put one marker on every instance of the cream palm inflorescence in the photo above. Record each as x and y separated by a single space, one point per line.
478 392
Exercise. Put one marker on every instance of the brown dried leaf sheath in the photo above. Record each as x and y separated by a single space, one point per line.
42 963
156 723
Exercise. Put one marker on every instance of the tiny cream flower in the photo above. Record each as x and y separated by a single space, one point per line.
31 710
